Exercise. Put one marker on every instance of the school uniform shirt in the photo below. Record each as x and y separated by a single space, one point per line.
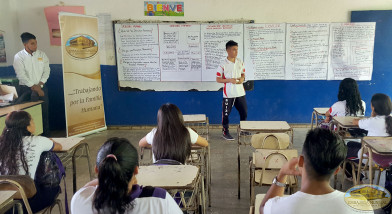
375 126
31 69
339 109
159 202
228 70
151 134
304 203
33 146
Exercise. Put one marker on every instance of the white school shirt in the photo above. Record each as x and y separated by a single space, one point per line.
303 203
31 69
33 147
162 203
151 134
339 109
228 70
375 126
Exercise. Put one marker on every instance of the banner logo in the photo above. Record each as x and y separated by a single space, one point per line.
367 197
81 46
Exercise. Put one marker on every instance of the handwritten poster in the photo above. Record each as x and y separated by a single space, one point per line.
138 52
106 40
264 49
3 57
213 39
307 51
180 52
351 51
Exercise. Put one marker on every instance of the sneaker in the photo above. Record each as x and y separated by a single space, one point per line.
227 136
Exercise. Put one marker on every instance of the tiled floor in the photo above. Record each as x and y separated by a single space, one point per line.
224 168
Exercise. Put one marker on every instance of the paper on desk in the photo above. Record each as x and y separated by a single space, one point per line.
7 97
68 143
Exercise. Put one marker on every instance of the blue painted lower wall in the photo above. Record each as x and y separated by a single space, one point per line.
291 101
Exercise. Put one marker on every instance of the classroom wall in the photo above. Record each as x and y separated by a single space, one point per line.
270 100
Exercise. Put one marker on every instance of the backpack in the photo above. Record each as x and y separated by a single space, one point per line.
388 186
50 170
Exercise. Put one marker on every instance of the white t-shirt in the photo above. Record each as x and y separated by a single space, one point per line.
159 203
375 126
304 203
31 69
33 147
339 109
151 134
228 70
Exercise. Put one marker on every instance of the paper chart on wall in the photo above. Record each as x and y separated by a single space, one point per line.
137 52
351 50
180 52
213 39
106 41
307 51
264 49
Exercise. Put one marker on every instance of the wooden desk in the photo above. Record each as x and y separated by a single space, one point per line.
176 179
381 145
73 148
316 116
200 123
7 201
258 127
33 108
345 122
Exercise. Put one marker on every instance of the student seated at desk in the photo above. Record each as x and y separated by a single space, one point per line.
171 139
378 125
20 153
349 101
116 190
316 194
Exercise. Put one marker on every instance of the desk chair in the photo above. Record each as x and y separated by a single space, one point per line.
381 163
265 165
25 188
270 141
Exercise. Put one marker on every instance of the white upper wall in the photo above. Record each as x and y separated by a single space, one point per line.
9 27
31 18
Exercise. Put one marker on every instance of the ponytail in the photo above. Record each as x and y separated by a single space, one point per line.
111 195
116 161
388 121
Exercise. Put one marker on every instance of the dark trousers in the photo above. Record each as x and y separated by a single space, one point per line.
239 103
27 95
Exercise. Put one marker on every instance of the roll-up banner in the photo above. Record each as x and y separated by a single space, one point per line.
82 75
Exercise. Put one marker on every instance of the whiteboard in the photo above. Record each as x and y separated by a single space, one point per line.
182 56
351 50
307 51
214 38
180 52
265 51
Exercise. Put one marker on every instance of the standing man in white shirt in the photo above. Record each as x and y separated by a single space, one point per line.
32 69
322 153
231 73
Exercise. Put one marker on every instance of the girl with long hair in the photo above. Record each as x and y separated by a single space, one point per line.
349 101
20 153
116 190
378 125
171 140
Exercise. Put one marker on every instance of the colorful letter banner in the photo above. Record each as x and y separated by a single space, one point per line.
82 74
159 8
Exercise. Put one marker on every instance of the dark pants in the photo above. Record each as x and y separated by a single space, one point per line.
239 103
352 154
27 95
